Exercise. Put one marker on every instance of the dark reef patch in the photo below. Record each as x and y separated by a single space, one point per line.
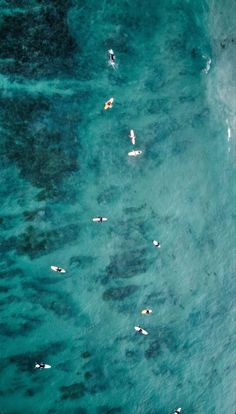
108 410
11 274
40 152
25 361
73 391
108 195
86 354
35 243
127 264
38 41
81 261
119 293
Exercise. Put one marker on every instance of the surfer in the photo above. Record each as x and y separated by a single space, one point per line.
177 411
140 330
108 104
156 244
112 58
41 365
146 311
58 269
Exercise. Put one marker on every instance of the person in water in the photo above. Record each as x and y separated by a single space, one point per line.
111 56
40 365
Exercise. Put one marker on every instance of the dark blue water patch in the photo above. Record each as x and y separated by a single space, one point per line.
180 148
4 289
86 354
25 361
57 302
119 293
21 329
127 265
34 214
40 154
8 300
81 261
166 339
33 57
35 243
78 410
109 195
133 210
12 273
8 222
108 410
73 391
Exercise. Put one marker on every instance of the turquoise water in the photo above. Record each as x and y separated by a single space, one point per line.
64 160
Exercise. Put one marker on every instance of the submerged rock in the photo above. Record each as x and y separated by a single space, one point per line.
108 410
73 391
86 354
119 293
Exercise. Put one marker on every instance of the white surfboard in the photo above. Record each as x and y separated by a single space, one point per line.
134 153
132 136
140 330
146 311
100 219
58 269
46 366
178 411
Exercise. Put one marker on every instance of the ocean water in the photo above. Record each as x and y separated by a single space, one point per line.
64 160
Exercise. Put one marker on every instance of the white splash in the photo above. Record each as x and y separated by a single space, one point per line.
228 130
208 64
229 135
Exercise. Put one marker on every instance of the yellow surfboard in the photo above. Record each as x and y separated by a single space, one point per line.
109 103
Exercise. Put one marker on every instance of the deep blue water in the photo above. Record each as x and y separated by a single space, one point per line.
64 160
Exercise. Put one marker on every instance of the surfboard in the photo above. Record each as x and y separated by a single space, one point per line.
132 136
109 103
137 329
134 153
55 269
156 244
144 312
98 219
178 411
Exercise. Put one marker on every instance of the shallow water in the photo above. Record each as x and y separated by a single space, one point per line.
64 160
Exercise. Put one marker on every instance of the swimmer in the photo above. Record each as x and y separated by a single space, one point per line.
177 411
146 311
156 244
132 136
41 365
108 104
112 58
